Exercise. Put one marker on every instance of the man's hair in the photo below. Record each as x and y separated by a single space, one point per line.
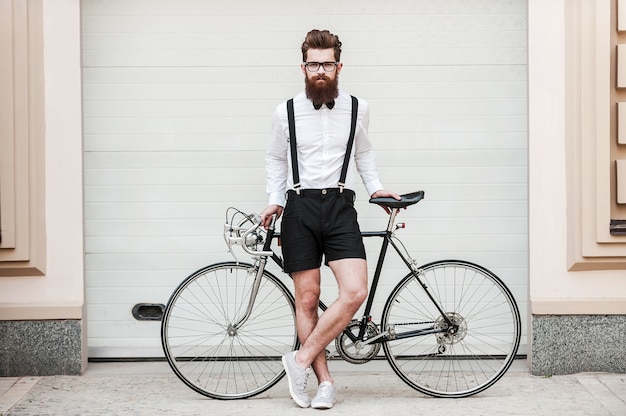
321 39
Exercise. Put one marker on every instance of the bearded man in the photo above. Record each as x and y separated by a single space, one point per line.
310 165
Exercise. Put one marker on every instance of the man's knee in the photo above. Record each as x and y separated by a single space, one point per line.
308 300
351 274
355 297
307 285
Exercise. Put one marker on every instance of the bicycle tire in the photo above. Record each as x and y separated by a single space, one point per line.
452 365
203 348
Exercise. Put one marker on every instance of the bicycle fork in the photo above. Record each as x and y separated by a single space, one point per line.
260 268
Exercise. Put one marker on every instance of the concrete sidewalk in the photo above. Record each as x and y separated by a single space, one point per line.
373 388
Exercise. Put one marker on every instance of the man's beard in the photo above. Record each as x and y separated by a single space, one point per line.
323 92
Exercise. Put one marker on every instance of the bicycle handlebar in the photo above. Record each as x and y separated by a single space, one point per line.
245 236
249 232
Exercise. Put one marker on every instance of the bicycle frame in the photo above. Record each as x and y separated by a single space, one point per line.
449 328
386 334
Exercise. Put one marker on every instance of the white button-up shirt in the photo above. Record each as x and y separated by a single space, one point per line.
321 137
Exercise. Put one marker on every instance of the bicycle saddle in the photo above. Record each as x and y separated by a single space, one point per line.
407 199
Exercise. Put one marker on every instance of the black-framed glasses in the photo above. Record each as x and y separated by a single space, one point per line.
315 66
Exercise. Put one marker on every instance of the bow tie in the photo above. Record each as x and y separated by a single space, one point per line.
330 105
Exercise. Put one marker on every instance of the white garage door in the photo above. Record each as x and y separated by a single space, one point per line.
177 103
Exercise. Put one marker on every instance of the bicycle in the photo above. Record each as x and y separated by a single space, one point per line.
450 328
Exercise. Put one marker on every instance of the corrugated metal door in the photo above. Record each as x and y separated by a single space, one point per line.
177 103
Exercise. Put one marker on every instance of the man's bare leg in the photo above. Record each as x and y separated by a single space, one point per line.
307 291
351 276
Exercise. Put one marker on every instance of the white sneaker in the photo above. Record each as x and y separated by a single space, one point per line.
326 396
297 378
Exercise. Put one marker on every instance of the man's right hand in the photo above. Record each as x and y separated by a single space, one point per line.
266 215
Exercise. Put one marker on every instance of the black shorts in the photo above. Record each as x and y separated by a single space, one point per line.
316 223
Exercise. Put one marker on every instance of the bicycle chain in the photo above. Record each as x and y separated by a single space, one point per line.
414 323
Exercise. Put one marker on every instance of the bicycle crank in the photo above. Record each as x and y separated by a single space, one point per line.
357 352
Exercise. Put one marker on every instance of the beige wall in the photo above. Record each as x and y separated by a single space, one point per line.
59 294
554 289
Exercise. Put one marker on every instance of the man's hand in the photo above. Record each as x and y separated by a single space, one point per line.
266 215
381 193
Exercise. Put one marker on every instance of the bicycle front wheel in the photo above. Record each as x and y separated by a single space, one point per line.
460 359
208 345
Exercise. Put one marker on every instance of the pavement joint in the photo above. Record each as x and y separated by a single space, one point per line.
17 388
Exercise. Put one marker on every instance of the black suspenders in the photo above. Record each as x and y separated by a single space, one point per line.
292 144
294 151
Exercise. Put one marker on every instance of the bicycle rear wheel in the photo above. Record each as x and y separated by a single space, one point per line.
474 352
205 347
